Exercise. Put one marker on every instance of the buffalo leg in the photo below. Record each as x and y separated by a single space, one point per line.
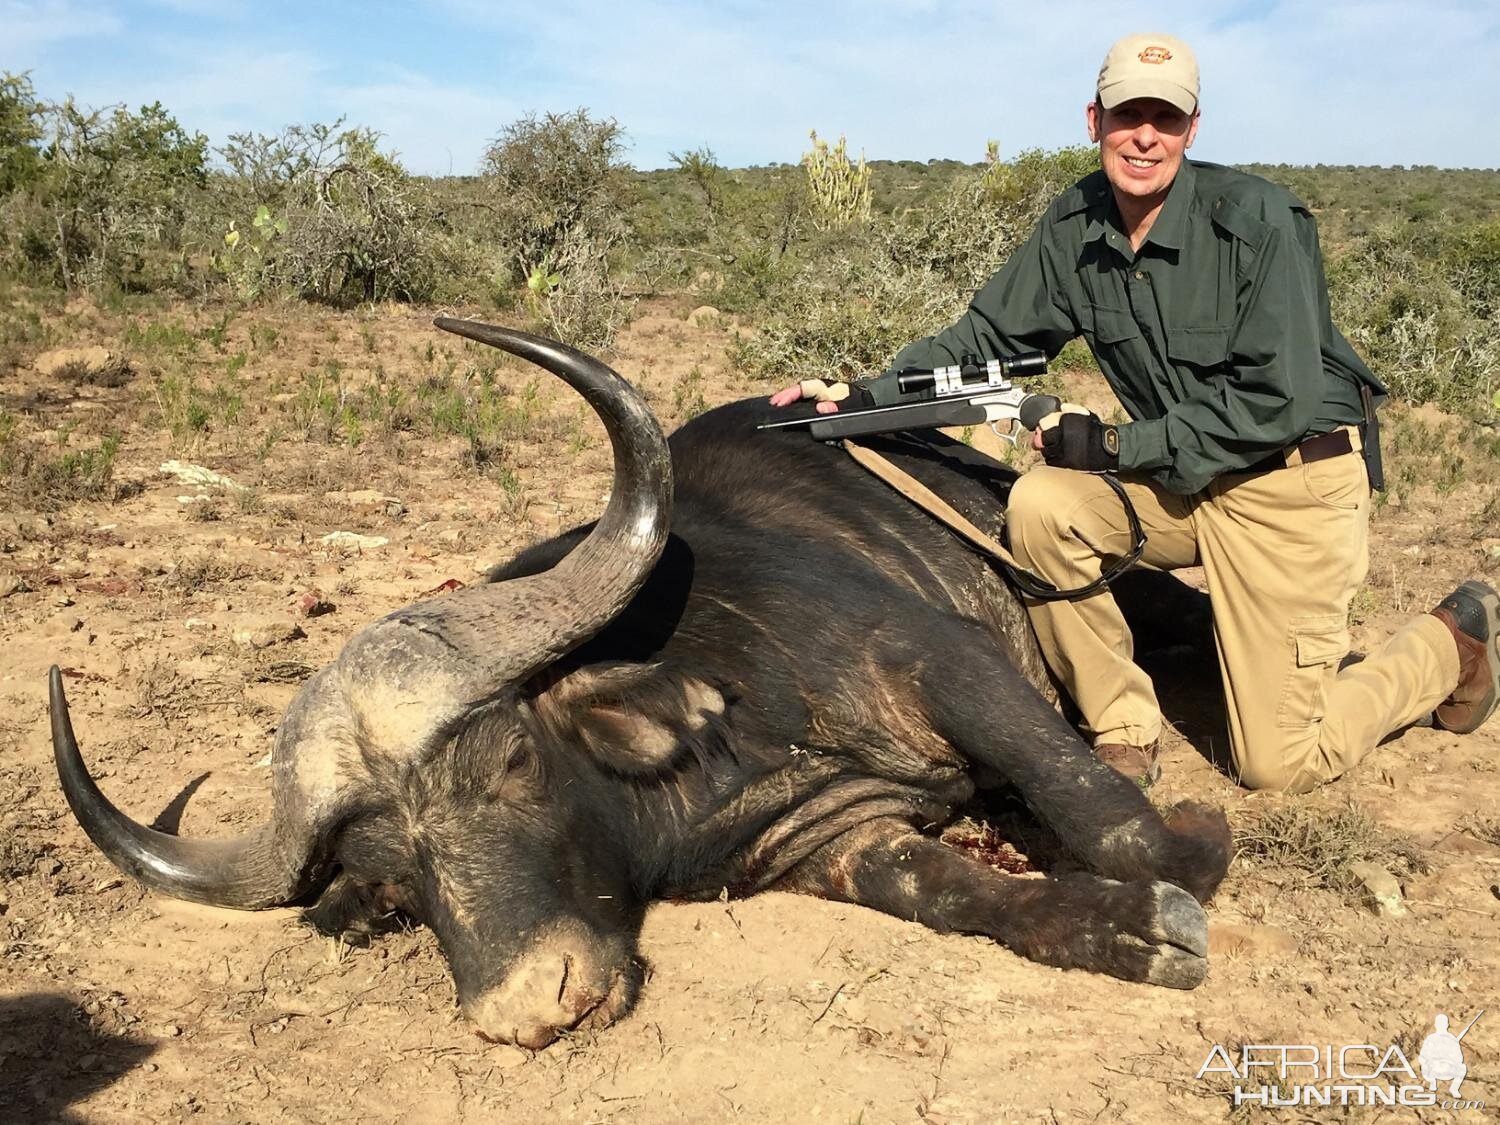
1142 931
981 705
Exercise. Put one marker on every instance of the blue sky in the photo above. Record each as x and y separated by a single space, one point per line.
1332 82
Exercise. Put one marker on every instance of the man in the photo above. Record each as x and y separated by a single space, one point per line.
1201 292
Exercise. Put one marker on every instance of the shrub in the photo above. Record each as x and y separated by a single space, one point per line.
105 199
20 132
1423 305
321 212
557 188
553 178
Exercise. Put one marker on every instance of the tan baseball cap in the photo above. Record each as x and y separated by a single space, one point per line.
1150 66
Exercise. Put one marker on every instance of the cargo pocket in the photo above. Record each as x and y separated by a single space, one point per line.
1317 646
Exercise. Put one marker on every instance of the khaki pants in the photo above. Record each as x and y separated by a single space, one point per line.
1283 552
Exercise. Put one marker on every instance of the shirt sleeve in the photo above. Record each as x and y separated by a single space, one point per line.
1024 307
1270 386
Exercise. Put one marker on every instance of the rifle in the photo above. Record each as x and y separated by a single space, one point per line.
968 393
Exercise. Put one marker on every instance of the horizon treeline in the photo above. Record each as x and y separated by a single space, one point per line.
834 263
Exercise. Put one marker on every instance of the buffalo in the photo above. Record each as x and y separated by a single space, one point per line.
759 668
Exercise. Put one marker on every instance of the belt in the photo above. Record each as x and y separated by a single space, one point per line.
1335 443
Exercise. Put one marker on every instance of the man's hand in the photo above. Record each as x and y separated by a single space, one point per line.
1076 440
827 397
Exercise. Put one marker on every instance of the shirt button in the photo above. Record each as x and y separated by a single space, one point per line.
1140 275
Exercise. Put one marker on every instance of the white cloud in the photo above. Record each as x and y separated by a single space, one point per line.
30 27
435 128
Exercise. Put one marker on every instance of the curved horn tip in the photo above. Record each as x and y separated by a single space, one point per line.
57 703
477 330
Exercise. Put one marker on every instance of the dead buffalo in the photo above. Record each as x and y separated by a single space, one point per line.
789 681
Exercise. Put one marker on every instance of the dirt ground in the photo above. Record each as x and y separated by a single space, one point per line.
172 615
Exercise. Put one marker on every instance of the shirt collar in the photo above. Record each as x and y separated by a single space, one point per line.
1170 229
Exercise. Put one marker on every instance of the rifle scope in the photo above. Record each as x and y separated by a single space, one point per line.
970 373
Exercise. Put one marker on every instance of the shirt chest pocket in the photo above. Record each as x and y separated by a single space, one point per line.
1204 348
1112 327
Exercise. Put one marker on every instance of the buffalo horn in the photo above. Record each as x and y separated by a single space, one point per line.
268 867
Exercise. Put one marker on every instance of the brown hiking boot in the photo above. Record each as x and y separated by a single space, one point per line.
1139 763
1472 614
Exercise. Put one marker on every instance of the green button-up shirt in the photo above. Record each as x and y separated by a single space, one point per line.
1215 335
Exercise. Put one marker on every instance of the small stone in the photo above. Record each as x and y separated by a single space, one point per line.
452 535
351 541
1491 547
265 634
171 1031
198 625
311 604
703 313
198 475
507 1057
1382 888
10 584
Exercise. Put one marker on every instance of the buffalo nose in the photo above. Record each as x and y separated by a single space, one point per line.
544 996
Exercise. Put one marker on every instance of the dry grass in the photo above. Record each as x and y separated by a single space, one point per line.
42 479
1323 844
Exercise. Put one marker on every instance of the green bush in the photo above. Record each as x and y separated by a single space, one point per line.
1422 303
552 179
101 198
21 133
557 188
319 211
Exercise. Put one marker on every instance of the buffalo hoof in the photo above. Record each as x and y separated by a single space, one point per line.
1154 933
1180 955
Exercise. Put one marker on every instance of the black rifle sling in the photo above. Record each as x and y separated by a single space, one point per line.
1030 583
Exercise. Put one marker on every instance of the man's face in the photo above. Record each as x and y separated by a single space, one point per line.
1141 143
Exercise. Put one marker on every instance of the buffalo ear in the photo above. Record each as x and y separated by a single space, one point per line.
633 718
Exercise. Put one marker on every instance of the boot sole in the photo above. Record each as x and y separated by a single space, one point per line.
1482 710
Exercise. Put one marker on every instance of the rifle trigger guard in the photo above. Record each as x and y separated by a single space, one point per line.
1013 435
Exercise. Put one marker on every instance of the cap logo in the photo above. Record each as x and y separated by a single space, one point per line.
1155 55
